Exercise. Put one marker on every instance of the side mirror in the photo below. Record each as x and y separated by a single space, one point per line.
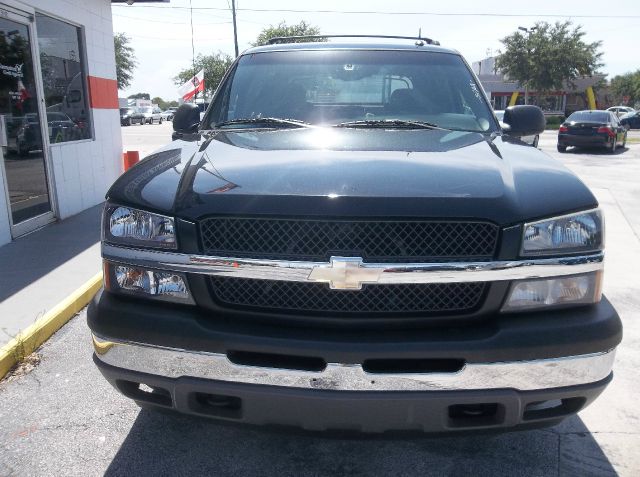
186 119
524 120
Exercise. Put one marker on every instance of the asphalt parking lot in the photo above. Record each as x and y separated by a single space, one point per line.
62 418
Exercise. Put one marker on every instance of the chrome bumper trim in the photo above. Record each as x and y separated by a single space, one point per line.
383 273
520 375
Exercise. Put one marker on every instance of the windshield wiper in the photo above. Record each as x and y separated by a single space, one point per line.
394 123
267 121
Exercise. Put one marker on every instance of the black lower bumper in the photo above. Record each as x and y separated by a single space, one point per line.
372 412
497 338
597 140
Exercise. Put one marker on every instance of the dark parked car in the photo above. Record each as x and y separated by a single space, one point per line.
60 128
126 115
349 240
631 120
592 128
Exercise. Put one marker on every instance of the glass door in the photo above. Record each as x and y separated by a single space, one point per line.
23 153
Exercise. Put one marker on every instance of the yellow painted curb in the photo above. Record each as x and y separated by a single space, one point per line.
29 339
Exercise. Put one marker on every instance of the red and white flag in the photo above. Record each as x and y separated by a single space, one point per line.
193 86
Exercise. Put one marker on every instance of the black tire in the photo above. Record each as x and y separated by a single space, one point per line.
160 122
614 145
536 140
128 122
624 141
562 148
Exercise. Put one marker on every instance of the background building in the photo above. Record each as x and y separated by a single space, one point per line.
504 92
60 141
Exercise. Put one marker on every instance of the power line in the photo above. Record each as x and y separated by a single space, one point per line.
376 12
169 22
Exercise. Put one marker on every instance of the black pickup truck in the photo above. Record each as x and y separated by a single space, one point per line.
349 240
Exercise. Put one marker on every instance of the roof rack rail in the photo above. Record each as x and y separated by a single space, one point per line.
286 39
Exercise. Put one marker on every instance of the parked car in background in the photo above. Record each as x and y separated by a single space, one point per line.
631 120
620 110
151 115
592 128
60 128
167 115
126 115
137 117
533 140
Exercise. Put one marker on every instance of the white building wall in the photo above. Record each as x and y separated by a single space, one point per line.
82 171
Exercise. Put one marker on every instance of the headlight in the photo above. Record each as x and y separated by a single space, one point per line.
125 225
581 232
156 284
555 292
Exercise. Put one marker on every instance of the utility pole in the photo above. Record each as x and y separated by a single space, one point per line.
193 51
528 31
235 28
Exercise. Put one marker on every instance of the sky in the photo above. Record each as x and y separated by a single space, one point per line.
161 32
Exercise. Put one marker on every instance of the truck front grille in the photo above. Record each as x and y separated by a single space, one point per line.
374 241
318 297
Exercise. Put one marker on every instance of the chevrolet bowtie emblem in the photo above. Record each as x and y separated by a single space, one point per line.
345 273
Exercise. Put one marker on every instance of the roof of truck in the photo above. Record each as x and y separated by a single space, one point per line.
389 46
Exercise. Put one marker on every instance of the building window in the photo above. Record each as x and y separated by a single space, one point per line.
63 76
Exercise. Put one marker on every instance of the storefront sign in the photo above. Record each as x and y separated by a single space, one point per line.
15 70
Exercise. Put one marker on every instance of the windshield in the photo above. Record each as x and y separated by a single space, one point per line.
329 87
592 116
146 110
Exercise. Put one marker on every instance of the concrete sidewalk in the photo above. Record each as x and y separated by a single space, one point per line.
41 269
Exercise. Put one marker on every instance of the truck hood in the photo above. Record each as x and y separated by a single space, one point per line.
355 173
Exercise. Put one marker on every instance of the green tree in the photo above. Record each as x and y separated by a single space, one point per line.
282 29
125 60
214 65
546 57
139 96
162 104
626 85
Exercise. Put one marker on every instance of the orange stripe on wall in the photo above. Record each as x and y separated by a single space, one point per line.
103 93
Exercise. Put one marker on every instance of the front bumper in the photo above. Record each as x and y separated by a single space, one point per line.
362 411
519 375
515 370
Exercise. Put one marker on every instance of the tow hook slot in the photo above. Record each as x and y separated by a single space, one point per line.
476 415
145 393
553 408
218 405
